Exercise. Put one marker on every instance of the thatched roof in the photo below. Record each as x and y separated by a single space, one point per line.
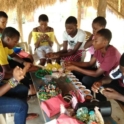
27 6
115 5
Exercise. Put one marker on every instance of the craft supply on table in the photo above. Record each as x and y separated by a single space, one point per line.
47 91
41 73
54 67
89 116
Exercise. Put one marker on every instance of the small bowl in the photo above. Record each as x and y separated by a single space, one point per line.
77 85
68 72
82 88
71 76
87 92
61 70
74 79
88 97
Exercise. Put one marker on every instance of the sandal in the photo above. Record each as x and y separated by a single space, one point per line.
31 116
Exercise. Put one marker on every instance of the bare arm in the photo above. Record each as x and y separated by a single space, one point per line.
16 58
105 80
8 71
18 74
77 46
5 88
96 73
64 50
85 64
88 43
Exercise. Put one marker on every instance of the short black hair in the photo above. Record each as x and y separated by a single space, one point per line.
122 60
10 32
100 20
3 14
71 20
43 17
106 33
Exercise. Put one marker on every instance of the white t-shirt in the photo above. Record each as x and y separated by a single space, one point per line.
72 41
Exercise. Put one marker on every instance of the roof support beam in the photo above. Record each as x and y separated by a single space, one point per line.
114 10
119 5
79 4
19 20
101 10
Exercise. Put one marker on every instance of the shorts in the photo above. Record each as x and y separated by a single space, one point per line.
42 51
75 57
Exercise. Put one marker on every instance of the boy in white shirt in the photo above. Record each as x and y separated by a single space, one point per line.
73 42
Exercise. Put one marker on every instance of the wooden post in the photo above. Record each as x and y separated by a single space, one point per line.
119 5
101 11
19 20
92 1
79 4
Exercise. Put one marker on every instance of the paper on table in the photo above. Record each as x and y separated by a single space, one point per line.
54 121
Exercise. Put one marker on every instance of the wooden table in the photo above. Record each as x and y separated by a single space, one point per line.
117 113
62 84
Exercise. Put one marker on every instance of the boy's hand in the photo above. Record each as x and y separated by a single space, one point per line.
29 67
18 73
111 93
53 55
46 37
95 87
49 55
70 67
33 68
27 64
67 63
40 37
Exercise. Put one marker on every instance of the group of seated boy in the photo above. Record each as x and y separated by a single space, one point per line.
105 68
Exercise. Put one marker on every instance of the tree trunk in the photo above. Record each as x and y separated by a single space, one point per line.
101 11
79 12
19 20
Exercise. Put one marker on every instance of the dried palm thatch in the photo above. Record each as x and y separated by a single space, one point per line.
115 5
93 3
27 6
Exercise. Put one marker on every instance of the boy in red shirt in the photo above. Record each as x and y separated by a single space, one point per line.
114 83
106 58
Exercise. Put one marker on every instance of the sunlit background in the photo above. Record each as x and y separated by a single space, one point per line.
60 11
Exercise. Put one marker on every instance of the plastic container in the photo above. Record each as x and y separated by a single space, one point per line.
47 79
71 76
82 88
87 92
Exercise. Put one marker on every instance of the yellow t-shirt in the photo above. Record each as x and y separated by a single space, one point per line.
4 52
45 43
